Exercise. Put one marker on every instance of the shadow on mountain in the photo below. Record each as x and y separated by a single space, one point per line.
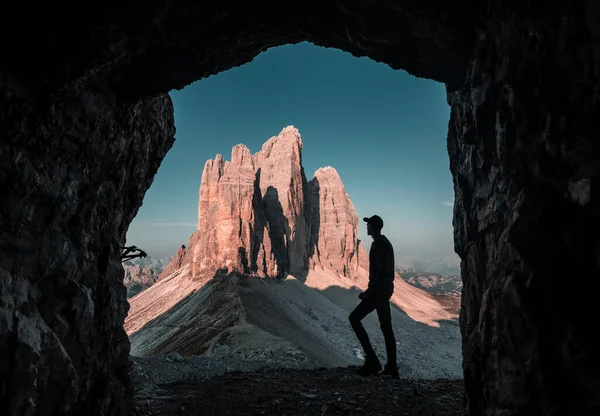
251 317
257 242
268 213
279 230
311 211
315 216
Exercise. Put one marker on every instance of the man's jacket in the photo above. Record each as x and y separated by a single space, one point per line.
381 269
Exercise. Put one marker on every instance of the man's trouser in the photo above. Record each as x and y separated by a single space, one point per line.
365 307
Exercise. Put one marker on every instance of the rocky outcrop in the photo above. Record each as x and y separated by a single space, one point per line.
176 262
284 198
225 213
252 215
334 226
258 216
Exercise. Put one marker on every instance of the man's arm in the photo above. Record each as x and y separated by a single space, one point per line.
375 280
389 263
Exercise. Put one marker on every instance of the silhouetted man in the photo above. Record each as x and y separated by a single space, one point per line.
377 297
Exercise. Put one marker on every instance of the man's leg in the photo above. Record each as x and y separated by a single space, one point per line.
356 316
385 322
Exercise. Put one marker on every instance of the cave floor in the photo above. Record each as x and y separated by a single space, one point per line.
337 391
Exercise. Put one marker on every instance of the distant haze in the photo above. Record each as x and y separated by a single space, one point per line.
383 130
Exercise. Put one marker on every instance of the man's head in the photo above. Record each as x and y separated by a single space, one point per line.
374 225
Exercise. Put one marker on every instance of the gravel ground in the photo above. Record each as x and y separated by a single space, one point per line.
271 358
148 372
337 391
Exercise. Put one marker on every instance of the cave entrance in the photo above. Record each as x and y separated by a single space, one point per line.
383 131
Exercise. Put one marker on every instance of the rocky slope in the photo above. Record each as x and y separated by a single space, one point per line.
273 272
288 322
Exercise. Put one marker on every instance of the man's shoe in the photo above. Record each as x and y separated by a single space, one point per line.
371 366
390 370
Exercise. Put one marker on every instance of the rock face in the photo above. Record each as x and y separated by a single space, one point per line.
526 168
284 194
224 212
176 262
334 226
85 121
64 217
258 216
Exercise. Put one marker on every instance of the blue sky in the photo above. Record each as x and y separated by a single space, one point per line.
383 130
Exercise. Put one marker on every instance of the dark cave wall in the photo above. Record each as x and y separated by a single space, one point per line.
73 172
525 157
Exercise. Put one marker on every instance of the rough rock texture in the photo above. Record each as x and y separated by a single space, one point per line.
78 149
257 215
65 210
285 198
334 225
253 211
225 213
526 161
168 46
176 262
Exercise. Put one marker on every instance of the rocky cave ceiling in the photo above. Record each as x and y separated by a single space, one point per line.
145 48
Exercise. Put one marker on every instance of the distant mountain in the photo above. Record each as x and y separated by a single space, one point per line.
448 264
141 273
434 283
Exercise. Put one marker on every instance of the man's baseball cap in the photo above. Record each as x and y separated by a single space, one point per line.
375 221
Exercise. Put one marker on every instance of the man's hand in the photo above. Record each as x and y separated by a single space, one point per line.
362 295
